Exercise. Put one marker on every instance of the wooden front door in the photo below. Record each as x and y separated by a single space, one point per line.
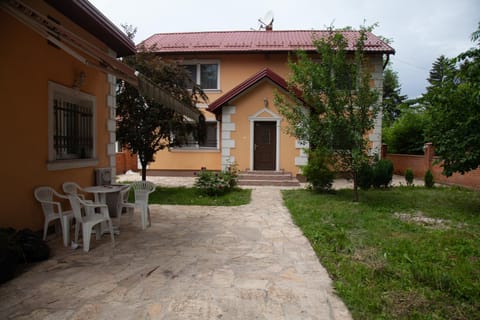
265 142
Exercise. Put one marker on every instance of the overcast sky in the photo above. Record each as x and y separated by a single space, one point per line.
421 30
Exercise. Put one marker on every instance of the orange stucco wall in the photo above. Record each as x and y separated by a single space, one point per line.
234 68
249 105
186 160
28 62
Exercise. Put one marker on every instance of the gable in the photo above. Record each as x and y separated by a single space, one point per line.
261 76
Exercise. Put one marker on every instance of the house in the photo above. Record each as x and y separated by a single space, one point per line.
58 78
240 71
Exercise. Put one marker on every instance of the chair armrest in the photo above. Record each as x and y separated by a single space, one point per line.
94 205
53 203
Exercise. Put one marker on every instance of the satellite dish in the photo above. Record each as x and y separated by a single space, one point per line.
267 21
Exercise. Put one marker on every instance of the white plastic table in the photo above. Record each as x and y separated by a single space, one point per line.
101 192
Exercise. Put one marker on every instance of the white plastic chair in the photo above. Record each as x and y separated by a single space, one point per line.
89 220
52 211
73 188
124 204
142 190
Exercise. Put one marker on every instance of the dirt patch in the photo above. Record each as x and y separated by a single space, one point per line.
419 218
404 304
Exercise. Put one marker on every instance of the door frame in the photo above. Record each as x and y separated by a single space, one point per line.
273 118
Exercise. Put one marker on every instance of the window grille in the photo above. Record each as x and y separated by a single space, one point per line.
73 129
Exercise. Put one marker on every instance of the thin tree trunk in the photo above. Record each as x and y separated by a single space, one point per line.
144 173
355 187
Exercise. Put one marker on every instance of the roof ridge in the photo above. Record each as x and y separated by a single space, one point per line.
251 31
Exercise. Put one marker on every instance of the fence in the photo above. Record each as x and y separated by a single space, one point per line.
421 163
126 161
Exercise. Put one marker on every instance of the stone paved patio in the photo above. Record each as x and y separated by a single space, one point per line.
246 262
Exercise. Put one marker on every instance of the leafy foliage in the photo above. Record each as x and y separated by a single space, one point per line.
378 174
407 133
428 179
453 99
340 105
382 173
409 177
216 183
392 99
144 125
319 171
365 176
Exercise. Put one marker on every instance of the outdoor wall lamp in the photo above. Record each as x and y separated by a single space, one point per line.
265 102
79 80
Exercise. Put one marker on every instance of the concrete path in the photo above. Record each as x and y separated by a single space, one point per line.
195 262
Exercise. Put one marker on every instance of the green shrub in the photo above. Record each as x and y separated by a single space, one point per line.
428 179
365 176
409 177
318 170
406 135
382 173
216 183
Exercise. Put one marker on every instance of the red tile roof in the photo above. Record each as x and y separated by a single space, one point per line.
266 73
254 41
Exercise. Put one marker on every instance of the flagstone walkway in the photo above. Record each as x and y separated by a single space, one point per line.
194 262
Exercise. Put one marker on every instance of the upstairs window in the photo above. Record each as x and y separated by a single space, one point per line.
205 74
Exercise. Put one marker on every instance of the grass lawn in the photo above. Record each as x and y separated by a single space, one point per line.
192 196
402 253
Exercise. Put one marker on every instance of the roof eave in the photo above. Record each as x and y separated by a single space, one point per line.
91 19
255 51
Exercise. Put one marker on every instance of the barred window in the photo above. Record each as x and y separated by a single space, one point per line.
71 124
72 138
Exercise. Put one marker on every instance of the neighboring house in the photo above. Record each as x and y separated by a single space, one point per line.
240 71
57 86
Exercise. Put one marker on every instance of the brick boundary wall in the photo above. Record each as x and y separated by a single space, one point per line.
421 163
125 161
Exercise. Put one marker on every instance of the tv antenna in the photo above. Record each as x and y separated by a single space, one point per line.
267 21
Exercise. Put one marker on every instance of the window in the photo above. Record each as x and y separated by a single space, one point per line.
71 126
209 142
204 74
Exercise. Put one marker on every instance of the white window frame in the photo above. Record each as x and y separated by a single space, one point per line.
198 63
77 97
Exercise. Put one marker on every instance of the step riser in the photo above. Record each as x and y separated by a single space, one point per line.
267 178
268 183
268 173
264 177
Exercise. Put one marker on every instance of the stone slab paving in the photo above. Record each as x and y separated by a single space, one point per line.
194 262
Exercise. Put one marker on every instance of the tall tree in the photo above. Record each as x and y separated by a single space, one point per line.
145 126
453 100
392 99
441 71
340 105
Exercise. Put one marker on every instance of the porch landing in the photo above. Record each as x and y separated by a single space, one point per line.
267 178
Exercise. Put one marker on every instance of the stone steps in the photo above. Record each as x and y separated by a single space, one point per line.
267 178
